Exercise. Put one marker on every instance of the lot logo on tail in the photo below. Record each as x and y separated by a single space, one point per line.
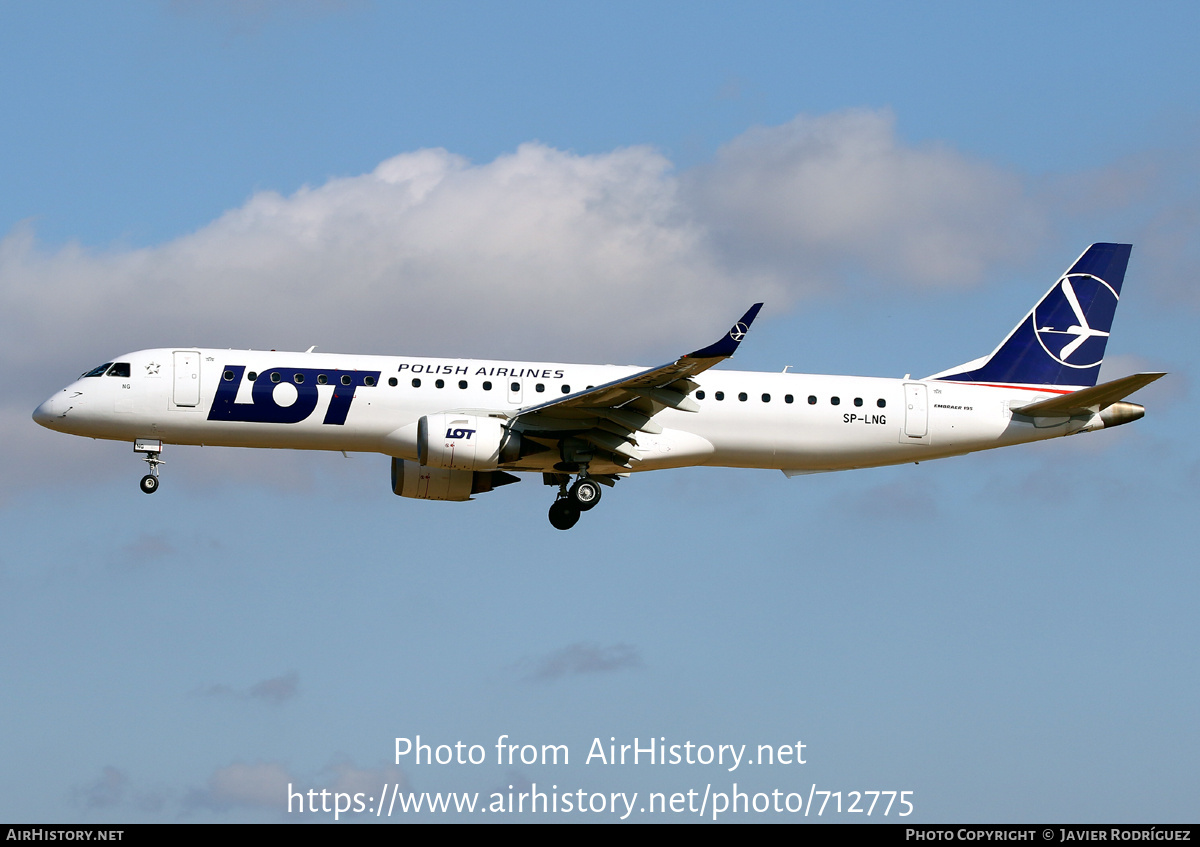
1061 320
1061 340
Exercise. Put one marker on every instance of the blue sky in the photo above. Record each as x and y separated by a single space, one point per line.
1011 635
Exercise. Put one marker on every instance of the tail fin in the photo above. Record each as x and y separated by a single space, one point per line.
1061 341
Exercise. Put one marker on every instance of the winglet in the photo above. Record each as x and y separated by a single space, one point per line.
729 343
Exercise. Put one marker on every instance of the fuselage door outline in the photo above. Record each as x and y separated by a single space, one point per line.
187 378
916 413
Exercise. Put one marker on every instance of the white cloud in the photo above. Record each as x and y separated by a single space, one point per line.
262 784
276 690
579 659
539 252
113 789
106 790
822 195
342 776
266 785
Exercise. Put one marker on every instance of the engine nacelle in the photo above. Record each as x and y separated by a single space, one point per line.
462 442
423 483
1115 415
1121 413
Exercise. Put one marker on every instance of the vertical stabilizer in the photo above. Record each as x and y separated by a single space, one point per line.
1062 339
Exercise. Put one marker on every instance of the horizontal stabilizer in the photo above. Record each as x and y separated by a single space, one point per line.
1087 400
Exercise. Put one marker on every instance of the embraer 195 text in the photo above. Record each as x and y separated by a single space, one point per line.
458 427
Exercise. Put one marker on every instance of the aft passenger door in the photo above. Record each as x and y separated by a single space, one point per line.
916 413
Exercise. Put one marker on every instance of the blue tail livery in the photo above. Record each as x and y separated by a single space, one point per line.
1062 339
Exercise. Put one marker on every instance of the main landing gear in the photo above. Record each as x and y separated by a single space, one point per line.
152 449
571 502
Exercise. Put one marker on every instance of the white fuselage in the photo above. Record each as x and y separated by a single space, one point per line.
791 422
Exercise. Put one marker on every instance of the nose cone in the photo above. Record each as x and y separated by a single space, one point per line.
50 413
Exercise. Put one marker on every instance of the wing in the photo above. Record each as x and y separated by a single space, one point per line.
608 417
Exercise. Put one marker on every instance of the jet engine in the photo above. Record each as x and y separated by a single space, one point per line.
462 442
1115 414
424 483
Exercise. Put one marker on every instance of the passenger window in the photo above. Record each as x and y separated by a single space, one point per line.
812 399
322 379
227 376
416 383
857 401
345 379
566 389
252 376
700 394
97 371
539 388
742 396
835 400
766 398
393 382
275 377
787 398
368 380
720 395
440 383
119 369
462 383
487 386
881 403
299 378
514 386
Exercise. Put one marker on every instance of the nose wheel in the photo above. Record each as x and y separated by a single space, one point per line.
571 502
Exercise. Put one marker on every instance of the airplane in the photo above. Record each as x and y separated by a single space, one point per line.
460 427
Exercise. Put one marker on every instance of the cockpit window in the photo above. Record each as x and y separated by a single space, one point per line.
119 369
97 371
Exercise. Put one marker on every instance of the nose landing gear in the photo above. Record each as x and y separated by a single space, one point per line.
152 449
